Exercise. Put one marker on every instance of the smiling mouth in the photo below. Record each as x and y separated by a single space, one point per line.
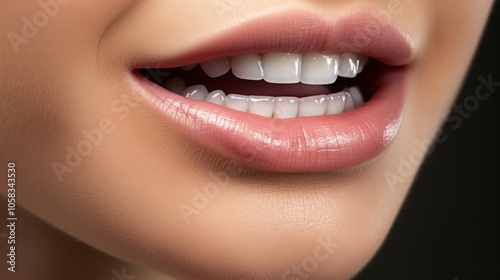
288 92
272 85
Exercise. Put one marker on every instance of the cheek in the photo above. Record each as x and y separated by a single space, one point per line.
49 83
444 60
439 69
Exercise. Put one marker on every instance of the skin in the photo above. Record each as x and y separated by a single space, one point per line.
123 199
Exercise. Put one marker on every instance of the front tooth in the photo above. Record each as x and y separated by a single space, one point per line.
349 102
356 96
282 68
348 65
312 106
319 69
216 97
261 105
176 85
286 107
189 67
198 92
216 68
237 102
336 103
247 67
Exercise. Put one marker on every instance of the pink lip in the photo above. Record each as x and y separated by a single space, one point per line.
311 144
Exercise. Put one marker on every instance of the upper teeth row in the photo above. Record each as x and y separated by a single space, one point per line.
287 68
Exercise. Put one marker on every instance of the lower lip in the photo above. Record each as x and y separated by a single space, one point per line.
304 144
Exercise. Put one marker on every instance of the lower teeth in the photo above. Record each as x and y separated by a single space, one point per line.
273 107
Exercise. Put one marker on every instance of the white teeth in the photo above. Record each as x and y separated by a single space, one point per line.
176 85
282 68
198 92
312 106
356 96
349 102
281 107
216 68
247 67
287 68
216 97
286 107
189 67
237 102
319 69
336 103
348 66
261 105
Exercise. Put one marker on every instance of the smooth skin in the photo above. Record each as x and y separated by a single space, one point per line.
125 197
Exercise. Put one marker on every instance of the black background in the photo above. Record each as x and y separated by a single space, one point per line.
446 228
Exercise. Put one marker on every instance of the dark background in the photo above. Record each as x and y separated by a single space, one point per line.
446 228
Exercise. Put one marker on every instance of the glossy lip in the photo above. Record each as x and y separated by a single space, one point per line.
304 144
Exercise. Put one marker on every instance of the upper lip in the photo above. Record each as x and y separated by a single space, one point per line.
301 144
302 31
